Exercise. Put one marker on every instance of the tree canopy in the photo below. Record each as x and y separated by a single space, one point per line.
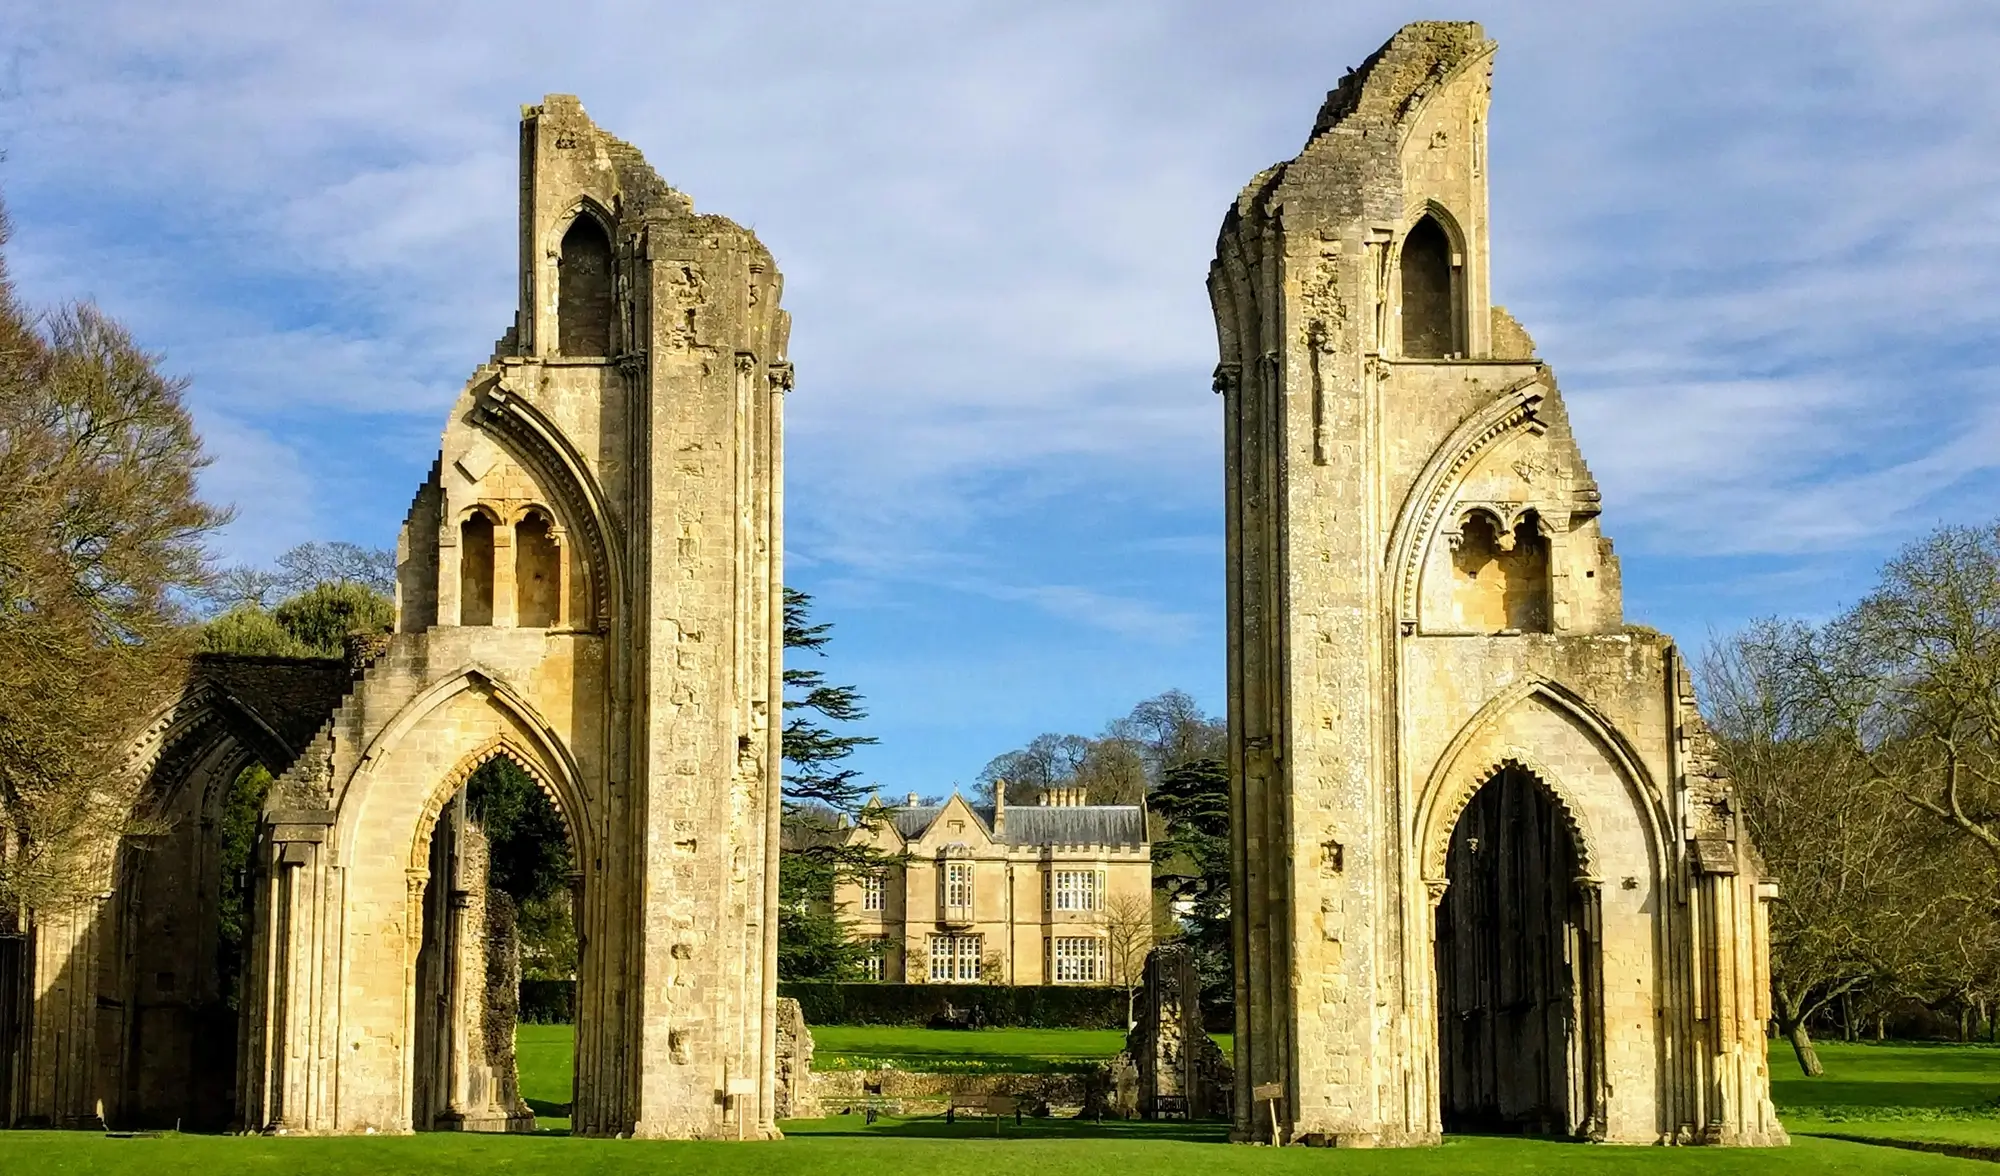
1866 753
101 548
821 791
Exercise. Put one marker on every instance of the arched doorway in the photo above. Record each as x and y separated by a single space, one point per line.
1518 988
500 895
170 1003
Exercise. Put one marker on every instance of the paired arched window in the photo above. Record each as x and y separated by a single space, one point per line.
1430 300
1500 578
475 569
537 571
583 293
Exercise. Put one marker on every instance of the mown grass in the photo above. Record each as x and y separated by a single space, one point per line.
545 1056
1018 1051
969 1149
1006 1051
1920 1091
1940 1094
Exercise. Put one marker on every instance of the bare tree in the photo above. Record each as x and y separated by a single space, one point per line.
1912 676
1867 750
100 540
1857 907
1112 772
1128 936
1170 729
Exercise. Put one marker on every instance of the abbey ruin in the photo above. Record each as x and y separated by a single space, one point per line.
588 585
1486 874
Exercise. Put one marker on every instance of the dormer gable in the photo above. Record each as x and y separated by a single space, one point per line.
956 823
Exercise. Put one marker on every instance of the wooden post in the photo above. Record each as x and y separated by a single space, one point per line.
736 1090
1269 1093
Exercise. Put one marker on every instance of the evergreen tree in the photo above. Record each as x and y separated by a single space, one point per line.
813 943
1191 866
315 621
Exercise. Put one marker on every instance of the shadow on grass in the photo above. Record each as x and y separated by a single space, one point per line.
1963 1151
983 1128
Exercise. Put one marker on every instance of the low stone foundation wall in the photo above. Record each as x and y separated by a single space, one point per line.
905 1092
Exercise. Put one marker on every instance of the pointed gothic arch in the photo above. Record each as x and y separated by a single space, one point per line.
558 772
1425 508
586 307
1470 758
1430 286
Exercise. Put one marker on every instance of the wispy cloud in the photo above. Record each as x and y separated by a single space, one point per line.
1759 243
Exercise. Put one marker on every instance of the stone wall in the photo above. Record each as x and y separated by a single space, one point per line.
797 1091
1422 602
907 1092
1179 1071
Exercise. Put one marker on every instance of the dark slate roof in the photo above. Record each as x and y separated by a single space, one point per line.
912 820
293 696
1084 824
1087 824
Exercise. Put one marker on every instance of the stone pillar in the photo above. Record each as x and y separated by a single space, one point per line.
506 612
1590 998
559 539
1181 1072
484 979
448 593
58 1088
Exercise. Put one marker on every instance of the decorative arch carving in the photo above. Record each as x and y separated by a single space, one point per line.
1516 409
498 747
576 499
1452 805
1431 207
1413 107
583 205
198 706
558 769
1458 775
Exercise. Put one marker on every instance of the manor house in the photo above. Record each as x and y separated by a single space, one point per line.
1053 893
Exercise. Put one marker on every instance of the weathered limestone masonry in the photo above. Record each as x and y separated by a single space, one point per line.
1485 871
588 584
1176 1070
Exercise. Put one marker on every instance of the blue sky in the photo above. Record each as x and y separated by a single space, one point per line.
1760 244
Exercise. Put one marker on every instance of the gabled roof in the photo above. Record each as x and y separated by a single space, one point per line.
1085 824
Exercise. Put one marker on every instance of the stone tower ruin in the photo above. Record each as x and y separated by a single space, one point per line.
588 584
1486 873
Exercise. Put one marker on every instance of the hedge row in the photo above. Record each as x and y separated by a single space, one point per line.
1045 1006
1048 1006
548 1002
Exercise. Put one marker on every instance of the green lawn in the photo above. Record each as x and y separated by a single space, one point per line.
862 1047
1906 1076
1019 1051
1905 1090
1942 1094
545 1055
913 1148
